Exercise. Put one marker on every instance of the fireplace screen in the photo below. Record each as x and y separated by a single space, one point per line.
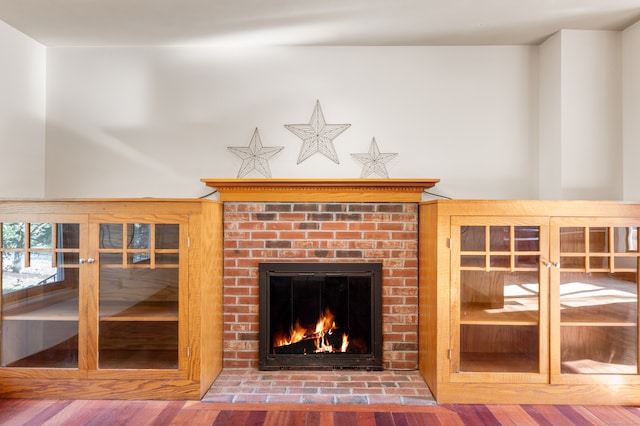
320 315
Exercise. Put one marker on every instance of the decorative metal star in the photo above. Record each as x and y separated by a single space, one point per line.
317 136
374 161
255 156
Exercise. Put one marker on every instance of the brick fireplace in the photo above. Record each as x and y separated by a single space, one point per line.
363 220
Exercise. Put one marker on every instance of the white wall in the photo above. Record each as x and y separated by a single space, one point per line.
153 121
22 114
550 123
631 113
591 115
581 116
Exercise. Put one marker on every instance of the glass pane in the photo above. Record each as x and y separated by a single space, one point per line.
138 259
472 261
69 258
167 258
110 259
138 325
599 324
527 261
599 240
39 301
572 240
572 262
111 236
13 235
139 236
598 262
626 239
499 319
167 236
40 234
472 238
625 262
69 235
500 261
500 239
527 238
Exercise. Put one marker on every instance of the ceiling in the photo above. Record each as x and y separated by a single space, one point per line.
309 22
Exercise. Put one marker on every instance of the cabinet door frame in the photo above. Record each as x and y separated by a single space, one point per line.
542 376
556 377
182 370
83 352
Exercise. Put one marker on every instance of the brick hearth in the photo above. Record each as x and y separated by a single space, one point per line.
324 232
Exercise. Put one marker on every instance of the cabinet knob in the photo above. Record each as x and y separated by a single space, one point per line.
548 264
81 261
90 260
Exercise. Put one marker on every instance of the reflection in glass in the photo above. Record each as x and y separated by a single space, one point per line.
499 318
599 305
139 236
500 240
598 323
167 236
472 238
111 236
39 295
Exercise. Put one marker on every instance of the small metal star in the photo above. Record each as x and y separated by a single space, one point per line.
374 161
317 136
255 156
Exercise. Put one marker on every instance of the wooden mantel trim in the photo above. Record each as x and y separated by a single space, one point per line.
321 190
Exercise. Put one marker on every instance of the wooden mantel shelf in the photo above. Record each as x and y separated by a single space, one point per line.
322 190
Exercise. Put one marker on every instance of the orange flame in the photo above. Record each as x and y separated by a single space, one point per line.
324 327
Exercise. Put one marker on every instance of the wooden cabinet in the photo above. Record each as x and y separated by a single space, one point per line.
529 301
110 298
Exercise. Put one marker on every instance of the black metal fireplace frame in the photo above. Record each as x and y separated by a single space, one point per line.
369 361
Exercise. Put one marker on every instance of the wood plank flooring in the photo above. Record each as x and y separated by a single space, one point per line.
159 413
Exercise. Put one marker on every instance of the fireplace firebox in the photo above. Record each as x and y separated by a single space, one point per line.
320 316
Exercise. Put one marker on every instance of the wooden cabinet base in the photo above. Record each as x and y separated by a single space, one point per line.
518 393
101 389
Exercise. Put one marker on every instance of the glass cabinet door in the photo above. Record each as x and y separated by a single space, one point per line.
139 276
498 298
596 298
40 294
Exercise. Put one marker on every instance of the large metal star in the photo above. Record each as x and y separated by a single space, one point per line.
255 156
374 161
317 136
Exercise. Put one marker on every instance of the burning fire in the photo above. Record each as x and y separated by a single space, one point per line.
324 327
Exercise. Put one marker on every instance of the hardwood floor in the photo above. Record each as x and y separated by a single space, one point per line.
192 413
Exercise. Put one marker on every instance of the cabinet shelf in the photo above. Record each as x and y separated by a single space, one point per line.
143 311
595 323
515 314
506 362
66 310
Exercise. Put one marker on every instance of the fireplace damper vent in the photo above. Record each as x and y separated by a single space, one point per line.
320 316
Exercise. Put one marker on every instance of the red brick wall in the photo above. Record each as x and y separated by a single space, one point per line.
323 232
